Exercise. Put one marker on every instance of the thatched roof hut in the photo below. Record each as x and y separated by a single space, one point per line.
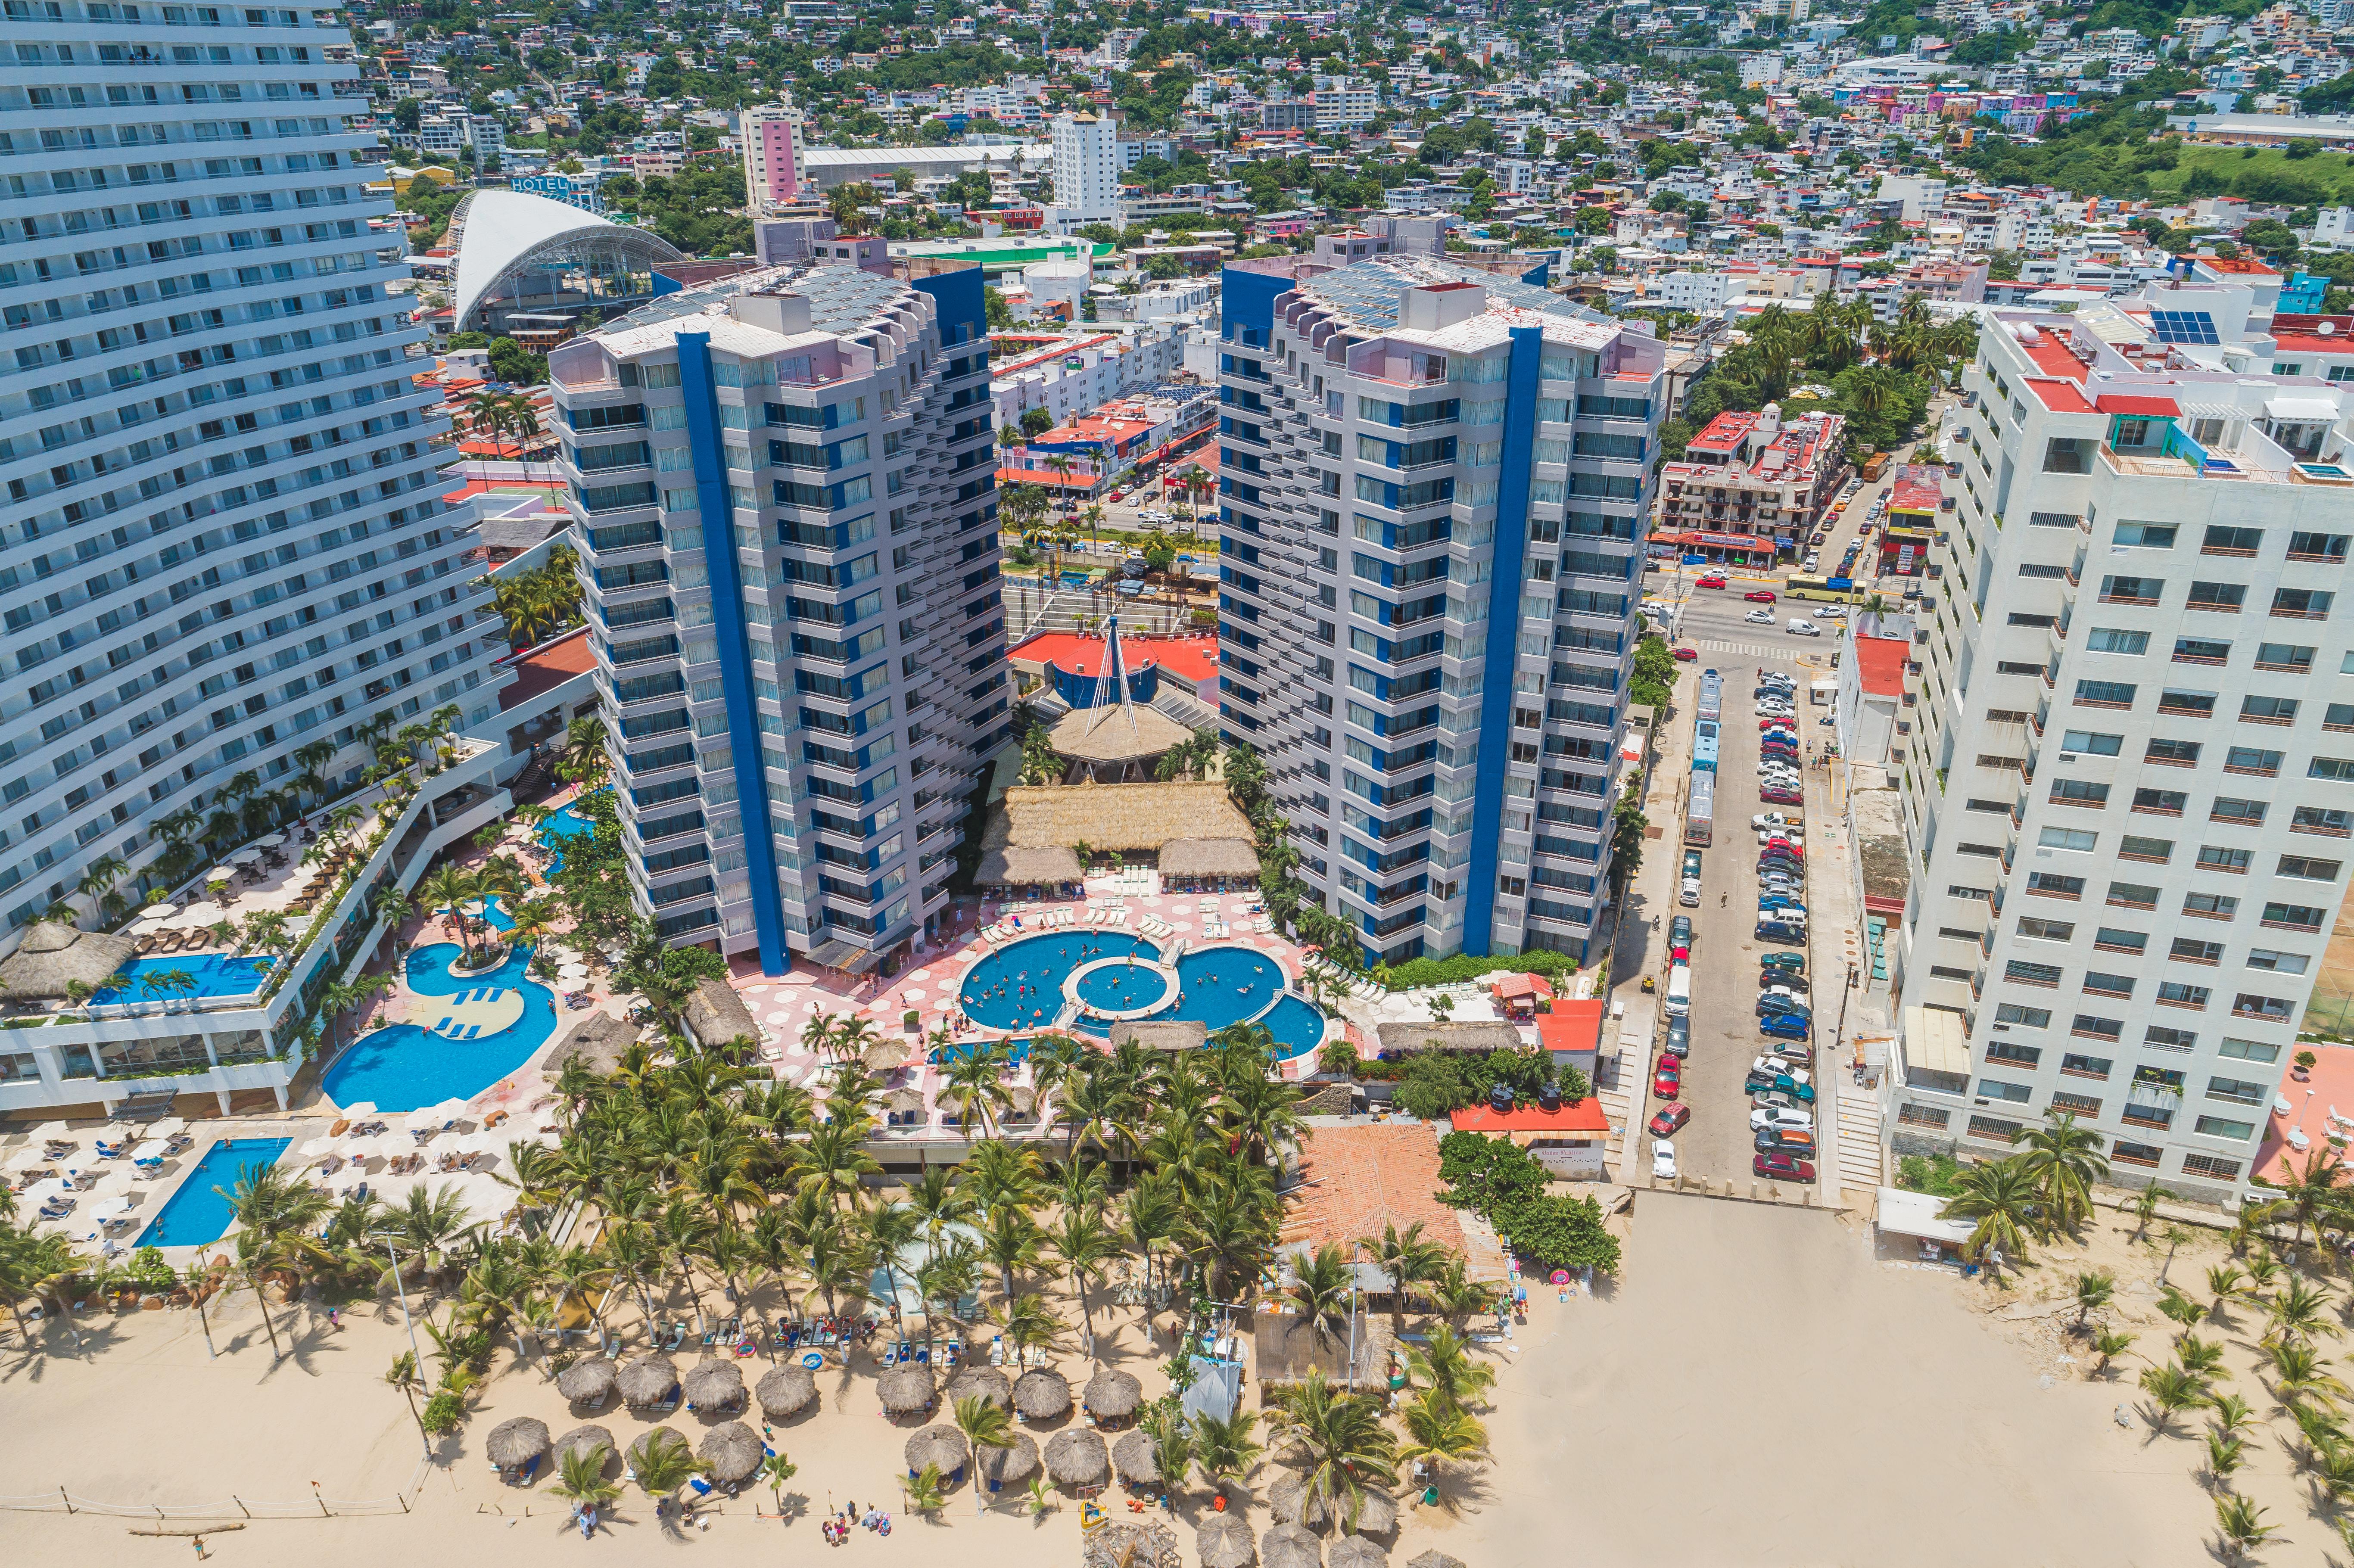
586 1439
1112 1395
1042 1393
1225 1541
516 1443
786 1390
1356 1551
733 1451
1467 1034
714 1385
979 1382
589 1381
1132 733
1289 1502
1209 857
651 1437
1044 865
648 1378
1136 1544
1075 1457
1377 1513
1133 1457
715 1015
54 955
904 1102
940 1445
1434 1558
1290 1546
885 1056
905 1389
1021 1102
1130 818
1013 1463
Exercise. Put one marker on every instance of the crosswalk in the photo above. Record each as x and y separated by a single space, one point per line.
1746 650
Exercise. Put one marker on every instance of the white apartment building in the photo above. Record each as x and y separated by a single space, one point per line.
2132 724
225 541
785 481
1433 484
1085 370
1346 106
1086 171
1702 293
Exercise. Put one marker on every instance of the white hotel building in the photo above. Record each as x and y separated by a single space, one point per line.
2129 782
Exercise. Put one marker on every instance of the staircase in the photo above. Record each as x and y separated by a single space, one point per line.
1859 1142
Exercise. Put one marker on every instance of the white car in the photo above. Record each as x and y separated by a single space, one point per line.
1760 616
1801 627
1803 1121
1775 1065
1794 840
1833 612
1813 561
1775 820
1663 1159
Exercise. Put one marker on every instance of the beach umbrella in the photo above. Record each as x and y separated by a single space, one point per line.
41 1191
1224 1541
648 1380
883 1055
108 1207
786 1390
714 1385
1042 1393
1112 1395
360 1109
512 1444
32 1157
979 1383
245 856
1356 1551
905 1389
169 1126
1377 1512
1131 1546
1014 1462
585 1439
1289 1502
942 1446
160 911
269 841
1290 1546
223 872
588 1381
153 1149
54 1132
733 1451
1075 1457
649 1437
434 1115
1133 1457
904 1102
1434 1558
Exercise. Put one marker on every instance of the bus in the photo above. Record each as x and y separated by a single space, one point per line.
1704 743
1833 590
1712 694
1700 811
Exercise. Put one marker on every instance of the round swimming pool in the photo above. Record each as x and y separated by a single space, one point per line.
1123 987
1020 986
1298 1025
405 1066
1219 986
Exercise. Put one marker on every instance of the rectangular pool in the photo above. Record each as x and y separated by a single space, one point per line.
196 1212
209 974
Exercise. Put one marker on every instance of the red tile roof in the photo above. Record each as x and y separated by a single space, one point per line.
1357 1179
1520 985
1585 1116
1192 658
2060 397
2311 342
1572 1025
1879 664
2119 403
2054 356
2241 265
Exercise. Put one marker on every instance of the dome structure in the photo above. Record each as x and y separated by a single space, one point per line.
503 237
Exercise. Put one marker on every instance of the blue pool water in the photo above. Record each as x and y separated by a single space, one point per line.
200 1211
1225 985
216 974
563 824
1046 961
1123 988
1298 1025
403 1066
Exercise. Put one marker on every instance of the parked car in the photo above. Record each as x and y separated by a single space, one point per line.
1782 1026
1666 1083
1787 963
1765 819
1783 1166
1687 655
1784 1141
1680 931
1678 1043
1759 618
1781 797
1759 595
1779 931
1779 980
1663 1159
1711 580
1668 1118
1781 1115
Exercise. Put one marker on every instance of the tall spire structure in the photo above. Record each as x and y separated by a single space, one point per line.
1111 686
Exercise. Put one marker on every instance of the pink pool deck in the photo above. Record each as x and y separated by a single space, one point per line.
934 979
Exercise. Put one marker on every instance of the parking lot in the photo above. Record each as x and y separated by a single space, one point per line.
1717 1142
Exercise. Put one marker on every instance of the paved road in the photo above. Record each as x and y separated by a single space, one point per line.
1717 1143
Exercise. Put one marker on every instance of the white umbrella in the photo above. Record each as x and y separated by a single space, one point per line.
30 1157
359 1109
145 926
106 1208
448 1110
41 1191
270 841
170 1126
154 1148
54 1132
245 856
157 911
221 874
321 1145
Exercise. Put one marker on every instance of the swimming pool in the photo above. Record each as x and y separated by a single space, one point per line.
200 1211
214 974
993 994
1298 1025
403 1066
1122 987
1219 985
564 822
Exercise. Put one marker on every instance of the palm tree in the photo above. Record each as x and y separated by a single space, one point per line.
891 1229
2176 1304
1012 1240
2312 1187
976 1088
1445 1365
2298 1312
1409 1261
276 1216
2109 1344
664 1464
2225 1454
2146 1202
580 1479
1324 1288
2300 1375
2171 1389
985 1425
1439 1434
1085 1245
776 1469
2094 1290
1339 1441
2223 1281
1999 1195
2066 1161
2241 1525
2203 1359
1027 1323
1224 1450
44 1267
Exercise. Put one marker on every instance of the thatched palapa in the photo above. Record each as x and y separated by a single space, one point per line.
1468 1034
1131 1545
1289 1502
1290 1546
1129 733
1042 1393
786 1390
714 1385
516 1443
1047 865
979 1383
1016 1462
1356 1551
1133 1457
1112 1395
715 1015
905 1389
904 1102
1209 857
649 1380
733 1451
885 1056
654 1436
1131 818
1434 1558
941 1446
587 1382
1076 1456
1224 1541
585 1439
1377 1512
54 955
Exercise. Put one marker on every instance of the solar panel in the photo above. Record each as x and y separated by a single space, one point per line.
2184 326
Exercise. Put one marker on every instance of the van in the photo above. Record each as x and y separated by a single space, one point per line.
1679 991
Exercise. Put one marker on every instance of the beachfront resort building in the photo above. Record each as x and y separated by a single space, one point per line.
1433 483
785 481
225 541
2130 706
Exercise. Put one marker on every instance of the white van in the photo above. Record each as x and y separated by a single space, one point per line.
1679 991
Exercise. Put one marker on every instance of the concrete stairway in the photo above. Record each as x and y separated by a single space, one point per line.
1859 1143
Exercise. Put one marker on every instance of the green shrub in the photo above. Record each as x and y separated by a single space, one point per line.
1508 1186
1455 971
1934 1174
1434 1083
443 1414
149 1272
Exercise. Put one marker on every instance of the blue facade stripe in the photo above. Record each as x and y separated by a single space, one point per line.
735 652
1503 636
963 307
1246 299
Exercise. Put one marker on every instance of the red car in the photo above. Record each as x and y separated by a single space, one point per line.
1758 596
1687 655
1680 954
1667 1083
1787 1167
1712 580
1671 1118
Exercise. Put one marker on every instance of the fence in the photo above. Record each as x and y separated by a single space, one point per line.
234 1509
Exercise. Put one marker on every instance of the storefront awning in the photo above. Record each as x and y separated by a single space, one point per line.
1907 1213
1936 1040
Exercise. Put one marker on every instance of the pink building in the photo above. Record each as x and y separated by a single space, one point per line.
772 159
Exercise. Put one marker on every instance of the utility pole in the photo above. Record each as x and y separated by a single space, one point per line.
415 1354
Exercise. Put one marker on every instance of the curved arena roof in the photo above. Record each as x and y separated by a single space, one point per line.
500 235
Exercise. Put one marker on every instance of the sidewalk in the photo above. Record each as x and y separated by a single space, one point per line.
1635 949
1836 948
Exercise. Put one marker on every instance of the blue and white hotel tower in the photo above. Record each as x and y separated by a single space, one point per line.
1433 486
785 485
